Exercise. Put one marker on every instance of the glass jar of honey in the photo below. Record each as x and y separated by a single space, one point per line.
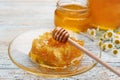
105 13
72 15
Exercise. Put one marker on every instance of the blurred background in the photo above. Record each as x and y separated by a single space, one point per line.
26 12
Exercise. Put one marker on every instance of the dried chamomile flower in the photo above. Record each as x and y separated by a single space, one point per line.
100 43
109 34
104 47
110 45
116 41
115 51
104 36
93 32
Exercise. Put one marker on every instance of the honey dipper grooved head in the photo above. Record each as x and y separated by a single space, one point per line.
60 34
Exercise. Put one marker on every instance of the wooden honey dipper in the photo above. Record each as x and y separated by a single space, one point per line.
62 35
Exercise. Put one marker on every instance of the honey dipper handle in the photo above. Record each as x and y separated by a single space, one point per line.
90 54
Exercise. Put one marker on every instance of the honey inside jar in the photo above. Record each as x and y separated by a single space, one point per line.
105 13
50 53
74 17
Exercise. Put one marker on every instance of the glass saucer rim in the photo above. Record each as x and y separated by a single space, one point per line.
42 74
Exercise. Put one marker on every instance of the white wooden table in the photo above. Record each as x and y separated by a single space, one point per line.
17 16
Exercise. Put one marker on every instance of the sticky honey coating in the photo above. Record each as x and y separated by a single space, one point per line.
45 50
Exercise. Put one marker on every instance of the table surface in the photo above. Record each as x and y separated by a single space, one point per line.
17 16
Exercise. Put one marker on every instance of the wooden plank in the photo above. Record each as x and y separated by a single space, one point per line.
94 74
18 16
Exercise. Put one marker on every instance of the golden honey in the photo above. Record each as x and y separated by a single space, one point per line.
74 17
52 54
105 13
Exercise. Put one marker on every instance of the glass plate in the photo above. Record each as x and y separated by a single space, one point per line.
20 47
